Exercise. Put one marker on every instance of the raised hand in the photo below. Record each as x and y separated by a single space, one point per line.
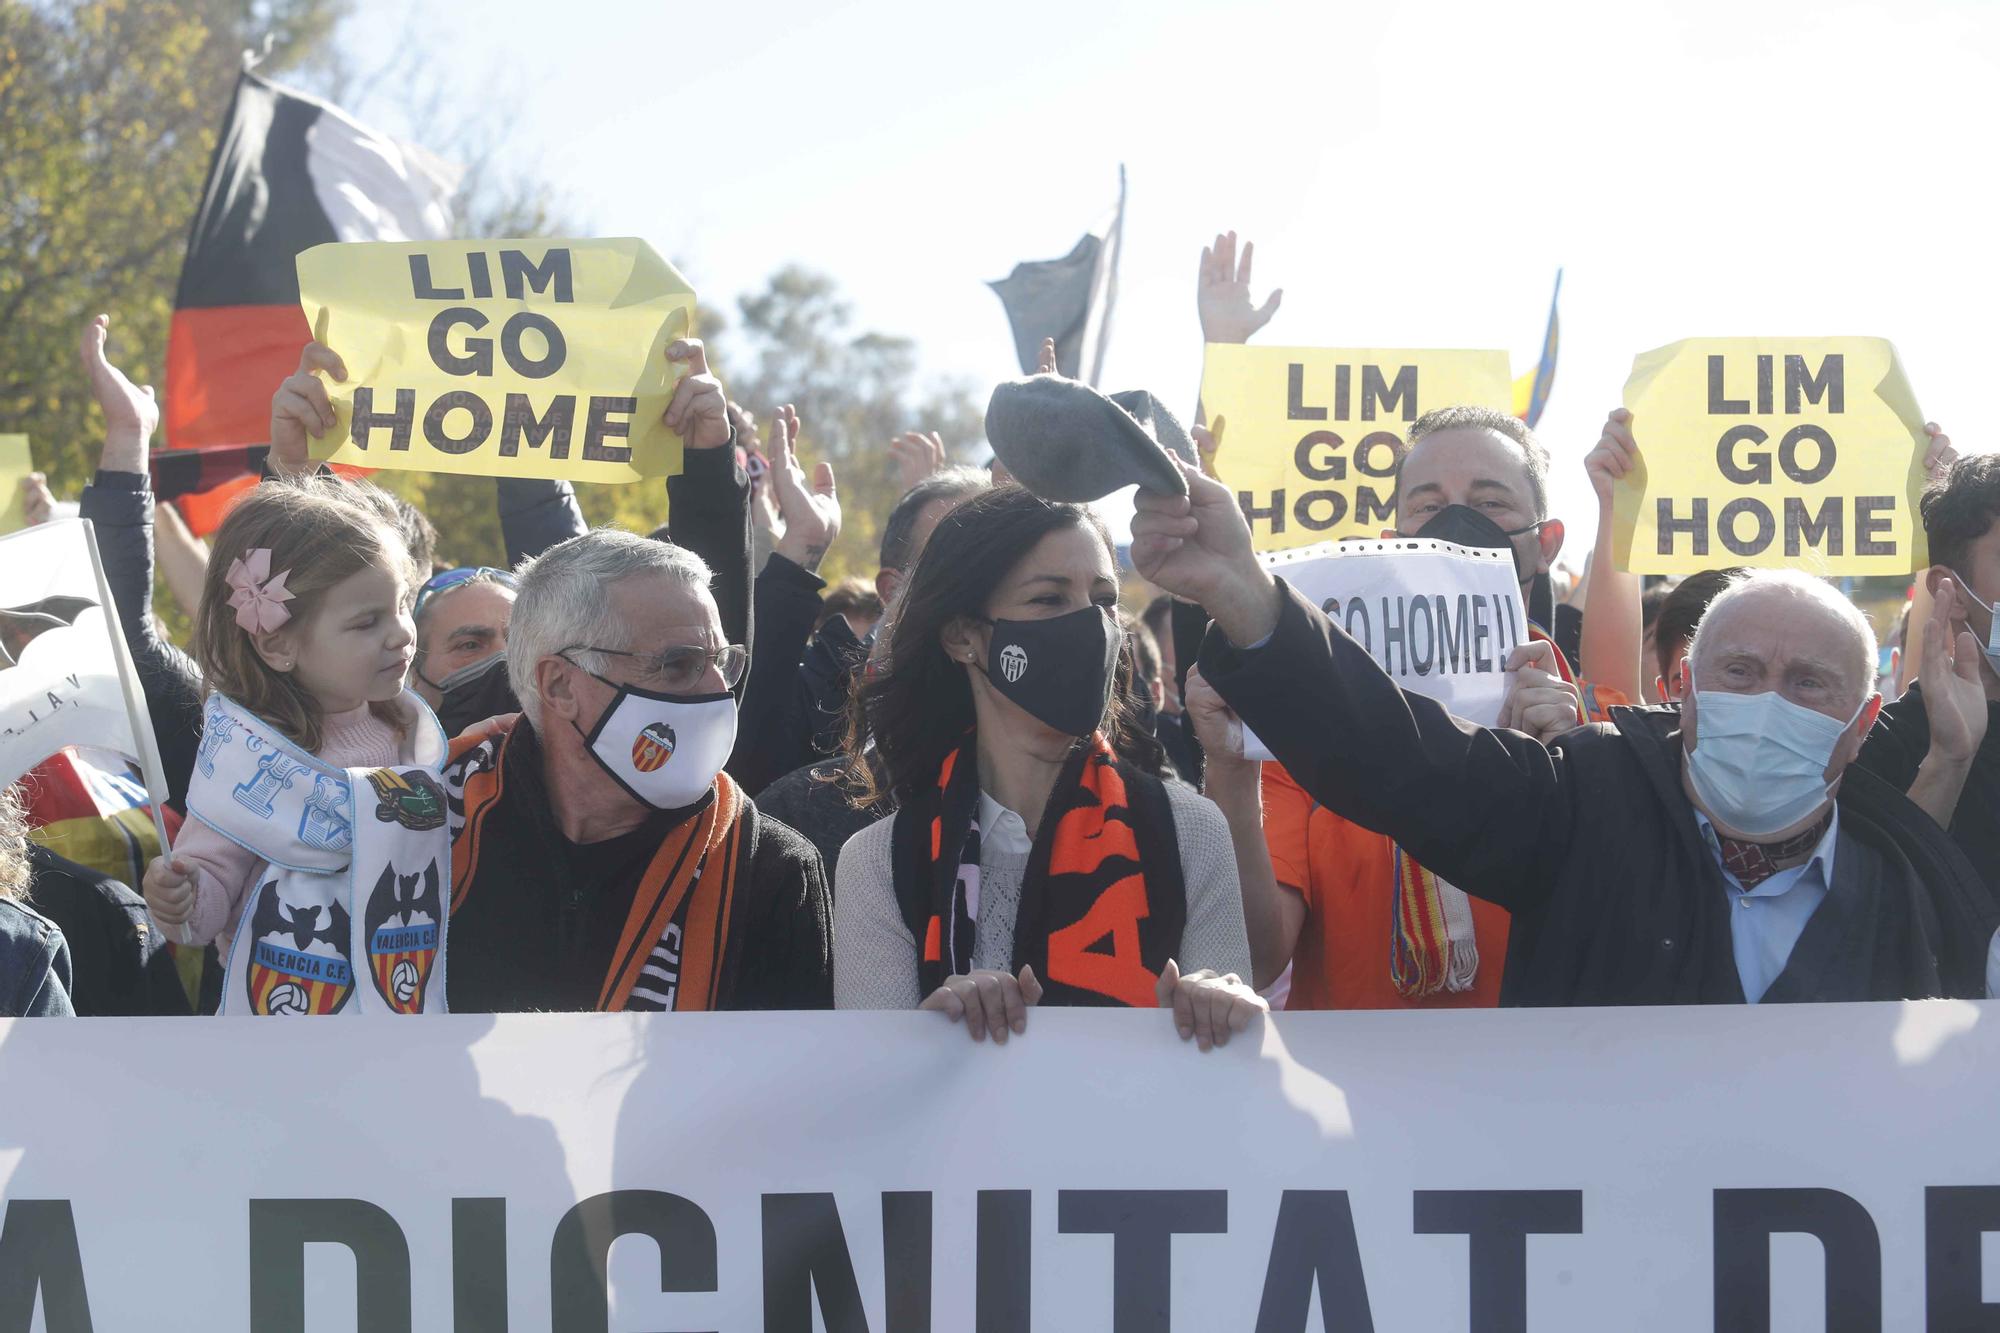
38 504
1615 457
1208 1008
1222 293
1538 701
131 413
1197 547
698 412
990 1003
810 516
1954 696
1938 453
302 410
917 456
1224 769
1046 364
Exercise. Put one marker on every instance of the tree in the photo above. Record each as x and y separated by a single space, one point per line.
108 115
855 391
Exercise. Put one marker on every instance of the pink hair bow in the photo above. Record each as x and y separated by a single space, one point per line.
259 598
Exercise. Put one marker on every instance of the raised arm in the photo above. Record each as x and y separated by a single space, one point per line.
708 503
1614 629
1486 808
1954 703
119 505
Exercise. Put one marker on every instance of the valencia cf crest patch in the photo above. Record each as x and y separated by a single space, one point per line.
654 746
410 797
298 956
403 927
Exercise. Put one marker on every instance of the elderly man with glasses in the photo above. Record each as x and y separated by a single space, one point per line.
603 860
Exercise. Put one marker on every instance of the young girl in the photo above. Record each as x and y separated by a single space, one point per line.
316 851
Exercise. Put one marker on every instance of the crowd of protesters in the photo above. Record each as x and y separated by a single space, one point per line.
686 773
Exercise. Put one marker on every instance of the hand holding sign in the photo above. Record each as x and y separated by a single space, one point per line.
532 358
698 412
1538 700
302 410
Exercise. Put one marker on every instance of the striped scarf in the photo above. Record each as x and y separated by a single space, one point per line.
1103 903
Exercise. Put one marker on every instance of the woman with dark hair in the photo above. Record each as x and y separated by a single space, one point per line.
1027 862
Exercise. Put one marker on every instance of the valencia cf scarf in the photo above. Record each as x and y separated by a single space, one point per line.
1103 903
347 912
671 951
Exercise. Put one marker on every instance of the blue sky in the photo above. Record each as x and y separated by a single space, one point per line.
1412 174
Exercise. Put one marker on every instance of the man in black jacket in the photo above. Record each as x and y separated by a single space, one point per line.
601 858
1955 776
1723 855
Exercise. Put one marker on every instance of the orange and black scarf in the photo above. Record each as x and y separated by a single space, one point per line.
680 916
1103 903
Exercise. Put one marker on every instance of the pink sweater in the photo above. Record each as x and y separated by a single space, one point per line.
224 870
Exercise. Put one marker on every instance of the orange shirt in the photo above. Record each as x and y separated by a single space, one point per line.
1347 876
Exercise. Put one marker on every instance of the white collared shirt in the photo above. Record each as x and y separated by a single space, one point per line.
1001 829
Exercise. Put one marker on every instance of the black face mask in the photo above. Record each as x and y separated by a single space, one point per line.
476 693
1058 671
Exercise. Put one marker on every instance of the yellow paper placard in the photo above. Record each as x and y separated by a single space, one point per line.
537 358
15 465
1310 436
1776 453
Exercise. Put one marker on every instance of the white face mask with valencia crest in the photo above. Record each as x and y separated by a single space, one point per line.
1759 761
664 749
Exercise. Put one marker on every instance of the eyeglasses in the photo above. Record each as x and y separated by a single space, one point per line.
451 578
681 670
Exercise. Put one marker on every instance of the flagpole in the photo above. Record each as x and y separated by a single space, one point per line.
1117 245
135 704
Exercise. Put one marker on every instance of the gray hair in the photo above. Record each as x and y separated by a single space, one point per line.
565 600
1805 588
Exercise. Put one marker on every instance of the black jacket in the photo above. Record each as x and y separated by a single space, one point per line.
1898 744
774 733
1591 842
121 965
541 919
815 801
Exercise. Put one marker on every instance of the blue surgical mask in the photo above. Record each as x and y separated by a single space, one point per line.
1759 761
1992 622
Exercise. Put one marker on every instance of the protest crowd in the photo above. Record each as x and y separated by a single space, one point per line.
678 770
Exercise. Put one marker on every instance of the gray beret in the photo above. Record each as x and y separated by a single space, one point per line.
1064 440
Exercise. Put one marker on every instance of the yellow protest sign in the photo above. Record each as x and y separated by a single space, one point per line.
1310 437
15 465
542 358
1776 453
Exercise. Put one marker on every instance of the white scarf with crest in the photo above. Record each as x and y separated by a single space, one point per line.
348 912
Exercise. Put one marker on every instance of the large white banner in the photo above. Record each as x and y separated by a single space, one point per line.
1438 617
1590 1170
